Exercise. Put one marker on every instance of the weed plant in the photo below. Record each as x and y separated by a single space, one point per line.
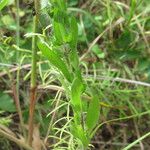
80 77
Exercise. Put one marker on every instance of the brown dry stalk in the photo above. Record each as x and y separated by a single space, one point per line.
33 72
31 113
11 137
18 107
14 69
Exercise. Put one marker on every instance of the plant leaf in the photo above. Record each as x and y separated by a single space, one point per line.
98 52
62 27
74 32
93 112
80 134
73 43
55 59
76 91
74 59
61 5
3 3
59 30
6 103
44 19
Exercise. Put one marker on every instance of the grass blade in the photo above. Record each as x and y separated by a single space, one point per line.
137 141
3 3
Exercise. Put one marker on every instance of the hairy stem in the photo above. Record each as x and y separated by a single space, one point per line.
33 72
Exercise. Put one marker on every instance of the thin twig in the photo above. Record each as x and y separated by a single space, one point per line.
117 79
138 134
6 65
19 142
112 143
18 107
53 116
51 87
15 68
120 119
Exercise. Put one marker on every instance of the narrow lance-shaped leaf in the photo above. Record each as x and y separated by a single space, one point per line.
61 5
78 132
93 112
76 91
55 59
74 33
60 27
73 43
74 60
3 3
132 9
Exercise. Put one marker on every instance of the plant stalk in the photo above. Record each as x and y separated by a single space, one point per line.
18 26
15 87
18 107
33 86
19 142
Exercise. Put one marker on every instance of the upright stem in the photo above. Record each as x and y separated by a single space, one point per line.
15 88
33 72
18 25
18 107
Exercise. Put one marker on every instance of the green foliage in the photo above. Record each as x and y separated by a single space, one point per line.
55 59
77 89
93 112
6 103
98 52
78 132
66 32
44 19
3 3
143 64
4 120
74 33
124 40
73 2
132 9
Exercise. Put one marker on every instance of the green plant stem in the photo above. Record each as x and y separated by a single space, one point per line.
33 73
137 141
18 26
16 91
119 119
33 84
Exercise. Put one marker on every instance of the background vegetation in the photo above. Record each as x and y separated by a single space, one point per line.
91 79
